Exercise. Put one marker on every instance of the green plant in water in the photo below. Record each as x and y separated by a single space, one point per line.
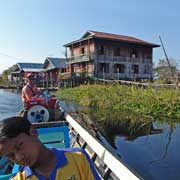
130 107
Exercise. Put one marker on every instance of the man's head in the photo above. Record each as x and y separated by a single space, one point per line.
18 141
30 75
30 78
13 126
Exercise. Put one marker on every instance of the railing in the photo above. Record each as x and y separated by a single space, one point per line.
106 58
125 75
71 75
102 158
139 84
117 59
80 58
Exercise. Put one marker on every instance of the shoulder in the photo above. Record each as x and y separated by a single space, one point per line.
75 153
77 158
70 150
66 153
24 173
25 87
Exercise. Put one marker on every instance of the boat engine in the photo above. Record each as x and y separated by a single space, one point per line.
41 109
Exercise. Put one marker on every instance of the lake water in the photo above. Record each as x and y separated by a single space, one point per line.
10 103
153 157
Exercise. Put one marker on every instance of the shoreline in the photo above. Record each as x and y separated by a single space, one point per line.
9 87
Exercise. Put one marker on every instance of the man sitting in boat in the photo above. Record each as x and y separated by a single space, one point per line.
29 90
19 142
38 106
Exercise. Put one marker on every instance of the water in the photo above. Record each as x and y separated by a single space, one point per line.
10 103
153 157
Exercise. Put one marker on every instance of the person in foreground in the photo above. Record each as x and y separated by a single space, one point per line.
20 144
29 90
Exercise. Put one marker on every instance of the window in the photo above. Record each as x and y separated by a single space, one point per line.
146 69
82 51
104 67
63 70
119 68
135 69
101 50
149 56
133 54
117 51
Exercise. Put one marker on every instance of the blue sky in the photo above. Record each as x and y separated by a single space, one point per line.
31 30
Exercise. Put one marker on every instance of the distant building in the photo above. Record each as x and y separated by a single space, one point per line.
52 68
110 56
46 74
21 69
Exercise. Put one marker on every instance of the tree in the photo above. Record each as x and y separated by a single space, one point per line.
7 72
164 72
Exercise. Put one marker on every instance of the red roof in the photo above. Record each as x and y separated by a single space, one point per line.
116 37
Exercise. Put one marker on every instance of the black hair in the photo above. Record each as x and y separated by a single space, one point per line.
11 127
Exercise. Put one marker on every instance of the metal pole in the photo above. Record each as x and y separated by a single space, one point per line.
166 57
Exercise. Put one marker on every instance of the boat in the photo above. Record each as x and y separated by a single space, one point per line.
67 132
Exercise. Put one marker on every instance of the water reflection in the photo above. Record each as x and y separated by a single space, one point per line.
153 156
10 102
169 138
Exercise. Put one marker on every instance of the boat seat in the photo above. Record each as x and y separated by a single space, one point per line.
57 137
5 177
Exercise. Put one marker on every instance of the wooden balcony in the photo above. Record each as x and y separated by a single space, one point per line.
120 59
106 59
74 75
80 58
126 75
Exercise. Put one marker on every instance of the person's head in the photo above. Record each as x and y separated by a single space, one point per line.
30 78
18 141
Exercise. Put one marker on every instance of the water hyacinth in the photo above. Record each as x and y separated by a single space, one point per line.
129 107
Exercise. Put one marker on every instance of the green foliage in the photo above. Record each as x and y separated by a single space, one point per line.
5 75
7 72
129 107
163 71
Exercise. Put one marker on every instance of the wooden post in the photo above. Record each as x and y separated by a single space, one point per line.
118 73
51 79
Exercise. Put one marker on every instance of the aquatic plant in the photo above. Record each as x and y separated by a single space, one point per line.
128 108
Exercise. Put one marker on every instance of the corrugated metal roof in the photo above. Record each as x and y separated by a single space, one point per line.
115 37
55 62
30 65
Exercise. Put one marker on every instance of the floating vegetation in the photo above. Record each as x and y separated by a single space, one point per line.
126 108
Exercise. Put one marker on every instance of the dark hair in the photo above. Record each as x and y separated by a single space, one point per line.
11 127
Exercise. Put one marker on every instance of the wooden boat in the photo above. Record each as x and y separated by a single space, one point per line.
71 133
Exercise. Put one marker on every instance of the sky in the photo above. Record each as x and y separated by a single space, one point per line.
31 30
